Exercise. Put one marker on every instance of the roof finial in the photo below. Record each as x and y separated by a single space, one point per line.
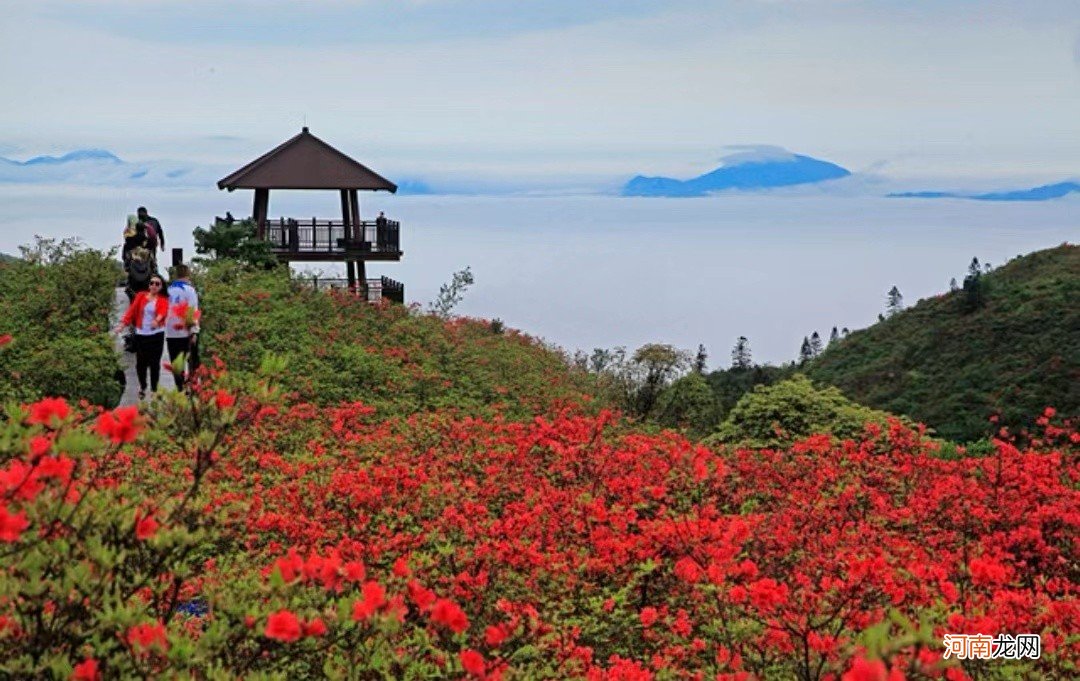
305 123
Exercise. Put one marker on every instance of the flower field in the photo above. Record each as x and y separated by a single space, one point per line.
247 533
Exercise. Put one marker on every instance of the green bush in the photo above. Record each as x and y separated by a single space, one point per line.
780 414
55 303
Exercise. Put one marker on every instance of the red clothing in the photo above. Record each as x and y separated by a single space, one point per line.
135 311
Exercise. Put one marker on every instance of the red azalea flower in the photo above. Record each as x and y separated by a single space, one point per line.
11 526
146 635
59 468
223 400
315 627
120 425
87 670
649 616
866 670
283 626
145 527
48 411
493 636
448 614
421 596
374 596
472 661
39 446
5 339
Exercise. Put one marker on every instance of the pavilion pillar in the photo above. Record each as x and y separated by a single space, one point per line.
346 216
360 275
259 210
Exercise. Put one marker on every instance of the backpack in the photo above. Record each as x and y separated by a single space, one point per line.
139 272
151 236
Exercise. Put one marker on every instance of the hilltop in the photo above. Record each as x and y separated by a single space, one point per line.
951 369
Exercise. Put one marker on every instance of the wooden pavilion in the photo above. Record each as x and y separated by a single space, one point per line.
306 162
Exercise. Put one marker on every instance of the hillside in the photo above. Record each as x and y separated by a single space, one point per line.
338 348
952 370
359 491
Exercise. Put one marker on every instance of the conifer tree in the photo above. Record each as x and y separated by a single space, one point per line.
805 353
834 336
816 345
740 354
973 287
896 302
845 332
700 359
953 286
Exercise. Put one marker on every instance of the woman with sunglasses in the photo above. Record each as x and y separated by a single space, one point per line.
147 314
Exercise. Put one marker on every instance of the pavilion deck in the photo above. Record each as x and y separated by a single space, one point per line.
325 240
382 288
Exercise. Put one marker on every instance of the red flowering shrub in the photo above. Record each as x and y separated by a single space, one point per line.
254 534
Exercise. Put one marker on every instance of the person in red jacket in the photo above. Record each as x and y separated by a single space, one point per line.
147 314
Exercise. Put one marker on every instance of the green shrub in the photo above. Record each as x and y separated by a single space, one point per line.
777 415
55 302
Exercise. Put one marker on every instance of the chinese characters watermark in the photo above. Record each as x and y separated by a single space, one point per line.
986 647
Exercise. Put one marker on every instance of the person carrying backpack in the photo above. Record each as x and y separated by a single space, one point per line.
140 267
155 232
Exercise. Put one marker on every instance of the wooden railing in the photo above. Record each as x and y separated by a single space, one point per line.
376 289
290 235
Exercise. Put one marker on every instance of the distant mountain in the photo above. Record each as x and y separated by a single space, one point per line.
70 157
413 187
758 169
1043 193
101 167
950 366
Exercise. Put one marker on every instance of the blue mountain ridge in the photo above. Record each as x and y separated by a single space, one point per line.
747 175
77 155
1044 193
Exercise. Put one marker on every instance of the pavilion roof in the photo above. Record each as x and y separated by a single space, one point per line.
305 162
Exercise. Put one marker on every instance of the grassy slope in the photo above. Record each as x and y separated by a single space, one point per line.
950 370
339 348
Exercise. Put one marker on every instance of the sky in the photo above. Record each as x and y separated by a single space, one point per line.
545 89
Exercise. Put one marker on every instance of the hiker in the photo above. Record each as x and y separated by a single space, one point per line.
154 229
134 237
147 314
182 325
140 267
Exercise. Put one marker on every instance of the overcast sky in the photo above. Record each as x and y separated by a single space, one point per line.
973 88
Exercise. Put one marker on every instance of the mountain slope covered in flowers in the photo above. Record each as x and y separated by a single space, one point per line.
363 492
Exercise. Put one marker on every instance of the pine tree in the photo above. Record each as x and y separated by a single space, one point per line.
953 286
700 359
805 353
896 302
816 345
973 288
845 332
740 354
834 336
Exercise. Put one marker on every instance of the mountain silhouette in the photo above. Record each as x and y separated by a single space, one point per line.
744 171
